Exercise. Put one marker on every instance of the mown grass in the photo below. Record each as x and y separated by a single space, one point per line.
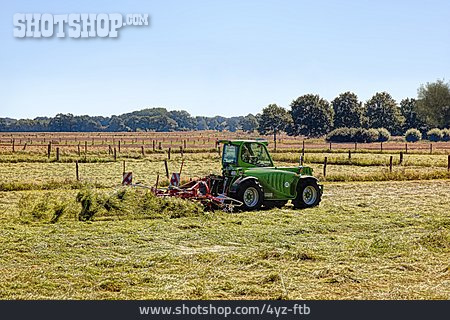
384 240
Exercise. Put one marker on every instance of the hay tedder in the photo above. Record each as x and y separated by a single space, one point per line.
249 181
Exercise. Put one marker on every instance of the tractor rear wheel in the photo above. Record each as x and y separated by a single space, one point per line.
308 194
250 193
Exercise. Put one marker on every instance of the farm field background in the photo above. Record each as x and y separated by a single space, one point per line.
379 233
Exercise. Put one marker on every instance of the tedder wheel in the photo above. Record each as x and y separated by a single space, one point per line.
270 204
308 194
250 194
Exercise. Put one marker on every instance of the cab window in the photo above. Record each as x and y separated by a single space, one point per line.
229 154
256 154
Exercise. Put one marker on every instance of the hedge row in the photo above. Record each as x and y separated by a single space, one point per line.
413 135
358 135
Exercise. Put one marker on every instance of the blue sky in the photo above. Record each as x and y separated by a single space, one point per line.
223 57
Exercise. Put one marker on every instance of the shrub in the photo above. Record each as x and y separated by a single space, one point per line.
370 135
413 135
340 135
446 135
353 135
383 135
435 135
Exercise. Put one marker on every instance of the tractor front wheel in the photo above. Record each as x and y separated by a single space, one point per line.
308 194
250 194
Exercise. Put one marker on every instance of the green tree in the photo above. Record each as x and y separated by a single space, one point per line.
249 123
408 109
312 115
382 111
433 103
273 119
348 111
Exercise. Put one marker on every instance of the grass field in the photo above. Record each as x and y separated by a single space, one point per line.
385 240
376 234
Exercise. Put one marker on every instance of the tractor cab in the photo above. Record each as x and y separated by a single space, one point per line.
245 154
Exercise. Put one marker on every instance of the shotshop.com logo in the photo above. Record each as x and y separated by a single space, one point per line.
74 25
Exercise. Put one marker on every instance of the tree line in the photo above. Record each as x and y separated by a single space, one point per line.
309 115
312 116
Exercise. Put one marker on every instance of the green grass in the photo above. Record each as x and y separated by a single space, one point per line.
370 240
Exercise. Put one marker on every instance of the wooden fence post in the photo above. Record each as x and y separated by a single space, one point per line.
118 146
184 143
79 151
349 154
57 153
181 151
168 153
325 167
49 149
431 148
13 146
330 146
76 170
160 146
153 145
448 162
303 148
115 154
401 157
381 146
167 169
390 164
142 151
356 145
123 166
406 147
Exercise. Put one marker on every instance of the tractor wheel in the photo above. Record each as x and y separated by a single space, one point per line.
250 193
308 194
270 204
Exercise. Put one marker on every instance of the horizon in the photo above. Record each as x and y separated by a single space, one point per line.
231 56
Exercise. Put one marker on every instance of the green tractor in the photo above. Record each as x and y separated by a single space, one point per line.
250 177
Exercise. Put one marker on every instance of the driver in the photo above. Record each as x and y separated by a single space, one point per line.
246 153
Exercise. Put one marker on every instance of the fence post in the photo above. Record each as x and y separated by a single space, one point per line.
356 145
119 146
448 162
79 151
159 146
167 169
123 166
115 154
25 145
49 149
13 146
381 146
57 153
168 153
153 145
330 146
142 151
218 150
325 167
303 148
184 143
349 154
406 147
181 151
76 171
390 164
431 148
401 157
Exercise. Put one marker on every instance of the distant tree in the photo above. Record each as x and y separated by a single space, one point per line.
348 111
433 103
382 111
312 115
183 119
273 119
408 108
201 123
249 123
